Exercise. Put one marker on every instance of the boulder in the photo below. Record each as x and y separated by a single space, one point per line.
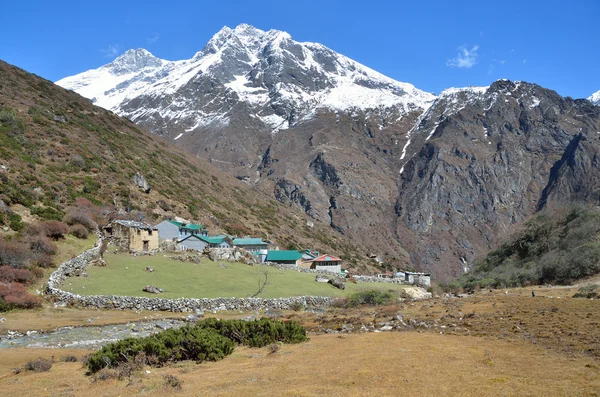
338 283
152 289
141 182
149 269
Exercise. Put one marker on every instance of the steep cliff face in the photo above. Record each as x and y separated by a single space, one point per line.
481 160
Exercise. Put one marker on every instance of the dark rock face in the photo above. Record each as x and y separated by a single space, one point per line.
286 191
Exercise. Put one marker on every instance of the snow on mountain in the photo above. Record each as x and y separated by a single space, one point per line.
595 98
279 79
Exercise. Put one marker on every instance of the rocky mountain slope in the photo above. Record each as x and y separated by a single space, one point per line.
426 181
55 146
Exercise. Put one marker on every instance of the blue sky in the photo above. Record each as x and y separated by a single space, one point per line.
431 44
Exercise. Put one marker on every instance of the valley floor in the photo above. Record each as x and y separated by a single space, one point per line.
490 343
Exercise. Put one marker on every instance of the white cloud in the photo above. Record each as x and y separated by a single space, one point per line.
111 51
465 59
153 39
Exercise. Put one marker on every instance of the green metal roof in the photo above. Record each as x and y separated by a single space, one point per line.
283 255
213 239
189 226
248 241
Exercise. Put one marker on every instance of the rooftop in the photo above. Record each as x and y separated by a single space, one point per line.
283 255
138 225
189 226
249 241
326 258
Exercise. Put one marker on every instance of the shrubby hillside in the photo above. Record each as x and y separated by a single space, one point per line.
556 247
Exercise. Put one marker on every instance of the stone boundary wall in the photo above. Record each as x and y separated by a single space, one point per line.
281 266
80 263
374 279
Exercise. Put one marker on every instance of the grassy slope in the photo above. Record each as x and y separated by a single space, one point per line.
91 152
125 275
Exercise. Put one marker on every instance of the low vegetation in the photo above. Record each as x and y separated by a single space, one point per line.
591 291
26 255
209 340
551 248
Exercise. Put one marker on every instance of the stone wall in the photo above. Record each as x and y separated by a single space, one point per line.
374 279
80 263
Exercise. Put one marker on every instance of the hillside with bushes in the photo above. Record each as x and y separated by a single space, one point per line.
553 247
60 154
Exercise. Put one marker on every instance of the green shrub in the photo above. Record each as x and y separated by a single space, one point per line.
186 343
48 213
209 340
588 292
15 222
258 333
371 297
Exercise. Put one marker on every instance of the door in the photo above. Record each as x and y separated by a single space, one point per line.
146 245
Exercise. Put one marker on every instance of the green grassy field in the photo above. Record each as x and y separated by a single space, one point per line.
125 275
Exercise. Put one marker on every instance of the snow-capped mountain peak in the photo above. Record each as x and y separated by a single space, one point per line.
280 80
595 98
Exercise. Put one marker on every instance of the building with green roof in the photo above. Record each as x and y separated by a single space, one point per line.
286 257
250 244
170 230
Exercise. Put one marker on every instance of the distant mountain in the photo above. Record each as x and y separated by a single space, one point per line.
425 181
595 98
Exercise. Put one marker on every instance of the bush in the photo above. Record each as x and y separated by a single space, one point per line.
186 343
173 381
588 292
42 245
14 221
16 296
68 359
209 340
258 333
55 230
48 213
9 274
79 216
13 253
40 365
79 231
371 297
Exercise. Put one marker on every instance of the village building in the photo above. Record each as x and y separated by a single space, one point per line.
132 235
423 279
328 263
199 243
169 230
284 257
252 245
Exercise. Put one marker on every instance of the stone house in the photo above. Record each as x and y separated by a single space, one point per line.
132 235
423 279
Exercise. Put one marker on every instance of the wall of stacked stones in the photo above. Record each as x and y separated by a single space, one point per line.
80 263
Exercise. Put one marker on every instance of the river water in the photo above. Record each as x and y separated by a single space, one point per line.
87 337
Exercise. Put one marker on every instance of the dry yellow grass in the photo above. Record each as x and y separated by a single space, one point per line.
378 364
500 344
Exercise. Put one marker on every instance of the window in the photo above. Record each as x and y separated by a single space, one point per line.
149 232
139 232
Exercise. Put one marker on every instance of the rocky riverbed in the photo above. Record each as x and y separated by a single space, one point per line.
87 337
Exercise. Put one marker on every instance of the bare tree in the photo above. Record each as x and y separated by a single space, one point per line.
262 283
